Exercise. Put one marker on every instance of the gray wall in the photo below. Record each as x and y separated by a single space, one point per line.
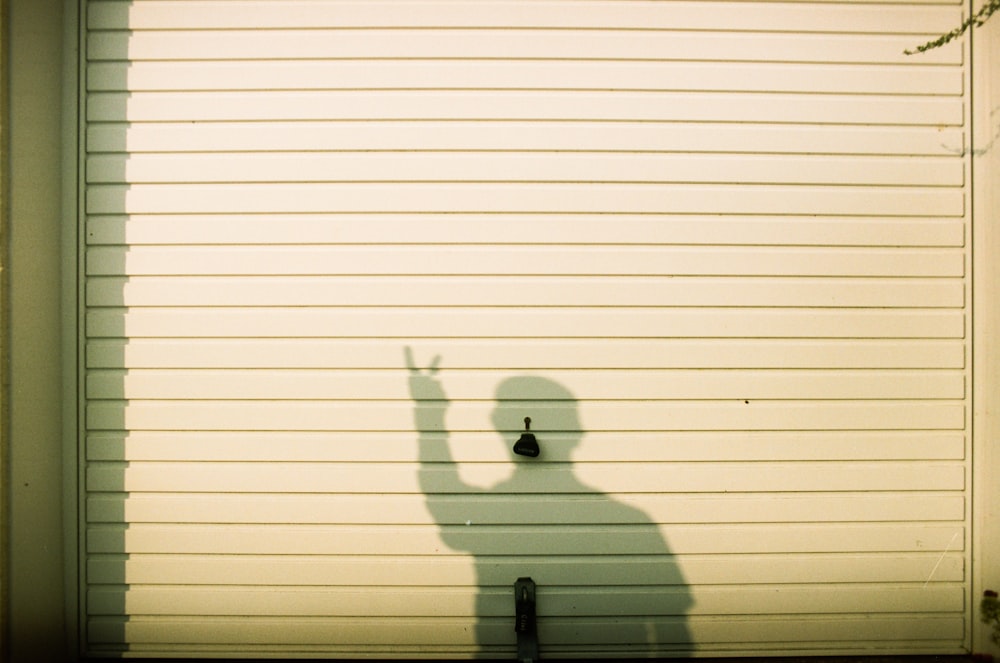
35 562
986 347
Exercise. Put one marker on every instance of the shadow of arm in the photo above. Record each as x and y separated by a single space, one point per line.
438 472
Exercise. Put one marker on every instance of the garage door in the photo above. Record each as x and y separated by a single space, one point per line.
706 261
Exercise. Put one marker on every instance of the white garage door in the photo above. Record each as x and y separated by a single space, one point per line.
717 252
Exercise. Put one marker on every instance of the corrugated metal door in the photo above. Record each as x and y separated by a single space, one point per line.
715 251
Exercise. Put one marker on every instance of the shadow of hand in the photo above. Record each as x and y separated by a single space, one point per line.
424 385
427 393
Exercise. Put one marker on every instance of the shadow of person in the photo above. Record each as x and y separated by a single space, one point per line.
606 578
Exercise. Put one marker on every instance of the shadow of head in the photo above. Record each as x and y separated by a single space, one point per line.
551 408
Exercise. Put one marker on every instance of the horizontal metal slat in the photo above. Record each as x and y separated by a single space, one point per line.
522 291
772 44
408 323
517 74
834 17
732 415
525 106
534 354
542 198
478 447
115 135
521 261
523 167
559 602
390 541
522 229
511 479
345 635
456 510
459 571
589 384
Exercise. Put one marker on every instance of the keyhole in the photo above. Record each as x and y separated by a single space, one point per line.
527 445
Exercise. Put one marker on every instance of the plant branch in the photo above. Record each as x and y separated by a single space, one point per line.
975 21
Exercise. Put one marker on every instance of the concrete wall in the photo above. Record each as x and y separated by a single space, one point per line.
35 559
4 374
986 349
